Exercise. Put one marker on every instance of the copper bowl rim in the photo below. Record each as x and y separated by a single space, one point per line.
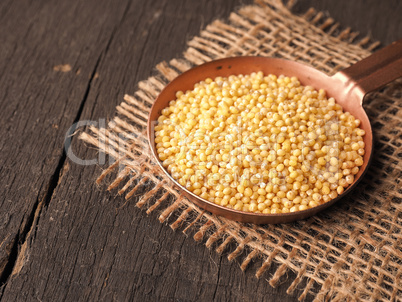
242 216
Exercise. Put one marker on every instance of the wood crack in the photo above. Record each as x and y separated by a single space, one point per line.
178 269
15 259
217 280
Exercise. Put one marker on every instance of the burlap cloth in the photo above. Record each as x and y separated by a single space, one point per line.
352 251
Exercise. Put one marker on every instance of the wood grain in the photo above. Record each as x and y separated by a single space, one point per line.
39 103
61 236
380 20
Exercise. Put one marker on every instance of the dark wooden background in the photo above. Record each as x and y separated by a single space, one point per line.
61 236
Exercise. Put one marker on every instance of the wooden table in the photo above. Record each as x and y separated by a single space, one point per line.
62 237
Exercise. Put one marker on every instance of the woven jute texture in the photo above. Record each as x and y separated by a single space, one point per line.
352 251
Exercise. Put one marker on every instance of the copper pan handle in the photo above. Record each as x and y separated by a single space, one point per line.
375 71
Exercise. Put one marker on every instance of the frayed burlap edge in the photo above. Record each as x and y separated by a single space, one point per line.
353 251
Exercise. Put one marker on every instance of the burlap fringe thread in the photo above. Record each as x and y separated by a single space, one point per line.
350 252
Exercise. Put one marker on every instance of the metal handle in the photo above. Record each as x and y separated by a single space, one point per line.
375 71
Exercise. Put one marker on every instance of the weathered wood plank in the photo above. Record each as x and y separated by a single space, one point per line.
39 102
85 244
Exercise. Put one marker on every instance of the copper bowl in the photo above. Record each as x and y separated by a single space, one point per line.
348 87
